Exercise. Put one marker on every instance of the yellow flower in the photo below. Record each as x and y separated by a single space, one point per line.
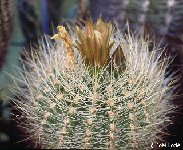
94 42
69 53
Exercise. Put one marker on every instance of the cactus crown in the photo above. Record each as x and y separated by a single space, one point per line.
94 44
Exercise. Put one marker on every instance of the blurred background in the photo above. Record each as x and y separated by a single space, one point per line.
23 22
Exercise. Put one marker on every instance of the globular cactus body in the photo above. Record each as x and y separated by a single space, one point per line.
86 107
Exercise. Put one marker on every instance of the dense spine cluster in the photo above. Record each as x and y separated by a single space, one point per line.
94 107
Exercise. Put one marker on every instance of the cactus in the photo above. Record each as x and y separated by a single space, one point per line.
70 107
161 17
